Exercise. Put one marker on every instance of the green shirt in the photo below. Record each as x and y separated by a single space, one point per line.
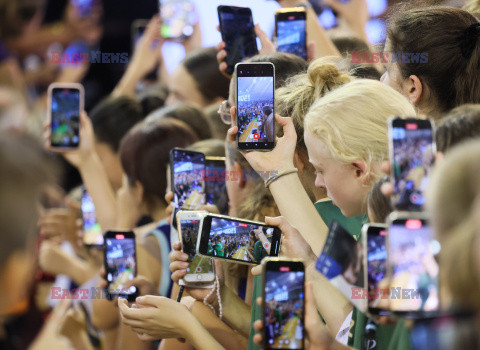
259 252
388 337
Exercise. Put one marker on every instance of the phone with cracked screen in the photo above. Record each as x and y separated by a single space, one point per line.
200 268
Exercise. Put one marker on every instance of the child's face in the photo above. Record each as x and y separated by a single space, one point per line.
342 182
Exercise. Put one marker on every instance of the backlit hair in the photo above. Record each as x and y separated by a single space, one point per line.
352 121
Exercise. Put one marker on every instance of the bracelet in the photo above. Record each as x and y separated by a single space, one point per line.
275 177
305 5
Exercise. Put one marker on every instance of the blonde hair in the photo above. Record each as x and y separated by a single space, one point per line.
473 6
450 198
453 185
301 91
352 121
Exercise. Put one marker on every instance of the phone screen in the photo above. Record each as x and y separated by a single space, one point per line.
178 19
412 265
215 184
255 106
120 262
236 26
413 156
92 231
84 7
291 35
239 241
284 307
197 264
377 281
65 110
188 179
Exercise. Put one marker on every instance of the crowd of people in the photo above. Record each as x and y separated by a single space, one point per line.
330 163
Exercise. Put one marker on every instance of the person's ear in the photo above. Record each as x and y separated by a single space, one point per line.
138 192
439 157
217 100
241 180
300 161
414 89
360 171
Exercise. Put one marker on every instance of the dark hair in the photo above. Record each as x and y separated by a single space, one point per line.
187 113
267 110
462 123
14 14
210 147
453 67
347 44
286 65
379 205
144 152
365 71
26 168
202 65
217 126
113 117
152 98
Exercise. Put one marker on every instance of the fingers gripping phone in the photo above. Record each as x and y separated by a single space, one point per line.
290 30
283 304
200 268
237 29
65 103
120 264
412 153
242 241
412 266
92 232
255 106
375 274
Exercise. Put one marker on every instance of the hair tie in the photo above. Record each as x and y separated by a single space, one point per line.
469 39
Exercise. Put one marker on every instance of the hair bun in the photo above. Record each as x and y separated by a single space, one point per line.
325 75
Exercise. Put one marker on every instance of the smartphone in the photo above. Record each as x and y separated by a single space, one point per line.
237 29
456 330
120 264
290 31
412 153
215 184
178 18
187 174
283 309
65 103
412 265
327 17
375 273
84 7
187 182
255 106
92 232
243 241
200 268
136 31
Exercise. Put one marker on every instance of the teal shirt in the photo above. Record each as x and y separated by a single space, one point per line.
328 212
388 337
